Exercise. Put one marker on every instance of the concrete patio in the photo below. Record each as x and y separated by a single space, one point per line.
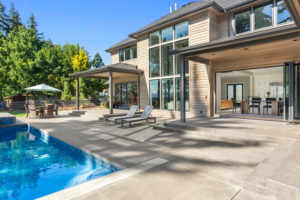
206 158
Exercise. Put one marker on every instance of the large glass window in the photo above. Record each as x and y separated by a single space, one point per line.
178 45
167 34
154 62
187 93
167 60
263 16
154 38
121 56
130 53
154 93
242 21
181 30
167 94
283 14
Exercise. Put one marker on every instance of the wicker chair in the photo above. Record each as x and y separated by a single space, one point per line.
49 110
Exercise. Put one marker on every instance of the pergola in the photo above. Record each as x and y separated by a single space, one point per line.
109 73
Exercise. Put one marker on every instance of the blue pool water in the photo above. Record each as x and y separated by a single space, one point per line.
33 164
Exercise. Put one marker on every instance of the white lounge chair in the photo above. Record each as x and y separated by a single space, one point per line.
130 114
146 115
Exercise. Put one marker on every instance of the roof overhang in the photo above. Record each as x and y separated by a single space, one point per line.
169 21
281 33
103 72
294 8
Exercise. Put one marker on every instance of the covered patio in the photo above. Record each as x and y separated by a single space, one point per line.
110 73
268 48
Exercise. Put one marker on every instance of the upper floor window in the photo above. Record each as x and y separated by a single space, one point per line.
181 29
154 38
242 21
263 16
167 34
154 61
128 53
121 55
283 15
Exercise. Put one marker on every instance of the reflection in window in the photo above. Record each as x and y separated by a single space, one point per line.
178 45
154 38
154 94
263 16
130 53
154 62
167 60
242 21
118 94
283 15
167 34
121 56
167 94
187 93
181 30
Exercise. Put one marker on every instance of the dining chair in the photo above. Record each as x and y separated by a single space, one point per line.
269 104
255 103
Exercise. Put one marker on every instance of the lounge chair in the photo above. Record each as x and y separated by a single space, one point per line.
144 117
130 114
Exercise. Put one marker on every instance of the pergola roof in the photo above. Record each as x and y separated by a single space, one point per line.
97 72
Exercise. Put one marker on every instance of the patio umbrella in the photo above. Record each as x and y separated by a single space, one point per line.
42 88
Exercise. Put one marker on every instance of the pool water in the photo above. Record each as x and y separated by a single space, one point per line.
33 164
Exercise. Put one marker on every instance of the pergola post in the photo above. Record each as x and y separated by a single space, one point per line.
139 92
110 93
77 93
182 89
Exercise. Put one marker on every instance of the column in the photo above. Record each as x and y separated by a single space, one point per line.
77 93
139 92
110 93
182 89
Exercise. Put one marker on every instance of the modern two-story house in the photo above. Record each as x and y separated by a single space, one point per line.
211 58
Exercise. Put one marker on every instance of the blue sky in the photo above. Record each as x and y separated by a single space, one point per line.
94 24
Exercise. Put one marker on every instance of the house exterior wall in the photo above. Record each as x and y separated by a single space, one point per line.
203 27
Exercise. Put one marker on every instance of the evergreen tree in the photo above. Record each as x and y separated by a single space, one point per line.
14 19
32 25
4 25
97 61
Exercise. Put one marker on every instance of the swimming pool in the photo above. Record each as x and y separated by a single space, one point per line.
33 164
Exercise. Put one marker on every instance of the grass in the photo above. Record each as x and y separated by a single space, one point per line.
16 113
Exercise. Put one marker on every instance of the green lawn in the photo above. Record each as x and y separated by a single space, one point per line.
16 113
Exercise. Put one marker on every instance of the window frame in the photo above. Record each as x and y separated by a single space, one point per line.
131 52
188 30
250 18
276 14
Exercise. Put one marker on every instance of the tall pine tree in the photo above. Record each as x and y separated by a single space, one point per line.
14 19
4 25
97 61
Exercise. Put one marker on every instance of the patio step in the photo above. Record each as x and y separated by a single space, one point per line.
77 113
227 132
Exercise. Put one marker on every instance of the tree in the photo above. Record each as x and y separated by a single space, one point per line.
97 61
67 92
4 26
14 19
80 61
32 25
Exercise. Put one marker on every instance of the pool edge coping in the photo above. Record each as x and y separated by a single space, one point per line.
98 183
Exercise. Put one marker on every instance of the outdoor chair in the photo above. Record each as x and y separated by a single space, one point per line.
49 110
146 115
130 114
56 109
256 101
269 104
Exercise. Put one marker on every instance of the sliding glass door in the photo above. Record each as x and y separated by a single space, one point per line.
297 92
235 91
125 95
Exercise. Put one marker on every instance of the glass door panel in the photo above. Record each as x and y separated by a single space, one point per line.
239 93
297 92
230 92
